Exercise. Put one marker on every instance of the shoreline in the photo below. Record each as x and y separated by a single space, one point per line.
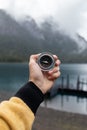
50 119
5 95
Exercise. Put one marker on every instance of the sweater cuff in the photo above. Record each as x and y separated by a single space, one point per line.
31 95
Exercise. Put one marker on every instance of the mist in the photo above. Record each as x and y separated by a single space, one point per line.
70 16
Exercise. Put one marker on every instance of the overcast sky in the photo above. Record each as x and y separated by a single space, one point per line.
71 15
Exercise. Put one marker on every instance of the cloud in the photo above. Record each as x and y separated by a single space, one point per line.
70 15
36 8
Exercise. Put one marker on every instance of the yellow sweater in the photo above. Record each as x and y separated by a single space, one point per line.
18 113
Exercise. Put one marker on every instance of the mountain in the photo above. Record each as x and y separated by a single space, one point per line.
16 42
52 40
20 39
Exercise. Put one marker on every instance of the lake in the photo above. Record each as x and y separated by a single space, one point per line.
15 75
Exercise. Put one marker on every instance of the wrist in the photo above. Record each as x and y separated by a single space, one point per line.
39 85
31 95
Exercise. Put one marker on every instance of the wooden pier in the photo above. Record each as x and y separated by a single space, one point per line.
66 89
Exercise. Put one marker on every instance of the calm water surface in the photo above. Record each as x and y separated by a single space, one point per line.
15 75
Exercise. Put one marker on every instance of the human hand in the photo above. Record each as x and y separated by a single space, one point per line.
43 80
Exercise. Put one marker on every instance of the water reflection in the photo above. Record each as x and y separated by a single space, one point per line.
14 75
67 103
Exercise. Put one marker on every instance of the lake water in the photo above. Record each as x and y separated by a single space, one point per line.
15 75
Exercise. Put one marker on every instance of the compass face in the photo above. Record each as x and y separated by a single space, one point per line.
46 61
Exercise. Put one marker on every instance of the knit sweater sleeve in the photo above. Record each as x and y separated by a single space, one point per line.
18 113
